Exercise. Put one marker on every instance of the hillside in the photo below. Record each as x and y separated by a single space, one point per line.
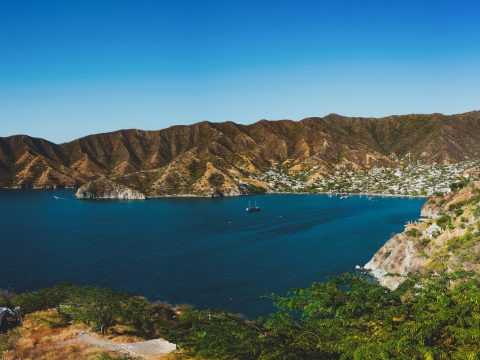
346 317
46 335
446 239
225 157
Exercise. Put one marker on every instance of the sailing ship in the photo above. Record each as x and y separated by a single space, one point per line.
254 208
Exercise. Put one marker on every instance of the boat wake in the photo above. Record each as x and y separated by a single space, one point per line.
61 198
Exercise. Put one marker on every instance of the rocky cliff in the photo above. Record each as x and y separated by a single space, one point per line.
446 239
106 189
207 158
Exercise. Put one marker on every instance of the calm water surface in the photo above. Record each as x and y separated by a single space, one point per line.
206 252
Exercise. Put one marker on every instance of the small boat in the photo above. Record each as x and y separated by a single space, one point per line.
252 208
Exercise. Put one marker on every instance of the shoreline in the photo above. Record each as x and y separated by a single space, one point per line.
336 194
333 194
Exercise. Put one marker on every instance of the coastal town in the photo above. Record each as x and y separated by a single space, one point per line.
407 179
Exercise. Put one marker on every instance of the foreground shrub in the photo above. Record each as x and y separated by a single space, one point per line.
8 340
347 317
48 298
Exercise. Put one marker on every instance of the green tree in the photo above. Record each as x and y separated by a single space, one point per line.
43 299
444 221
137 312
98 307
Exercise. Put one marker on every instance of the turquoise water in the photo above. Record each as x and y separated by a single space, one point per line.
206 252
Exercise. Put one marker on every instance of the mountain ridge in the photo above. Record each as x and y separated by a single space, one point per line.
182 159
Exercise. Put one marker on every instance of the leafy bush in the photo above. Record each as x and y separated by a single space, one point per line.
43 299
101 308
107 356
5 298
457 185
53 321
476 211
413 232
256 189
348 317
464 242
8 340
444 221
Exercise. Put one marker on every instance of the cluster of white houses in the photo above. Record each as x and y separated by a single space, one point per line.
413 178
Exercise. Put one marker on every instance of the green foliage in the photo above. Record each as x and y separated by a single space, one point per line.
173 182
457 185
53 321
461 245
476 211
197 168
216 335
253 189
475 199
444 221
349 317
5 298
413 232
8 340
138 313
107 356
216 179
101 308
43 299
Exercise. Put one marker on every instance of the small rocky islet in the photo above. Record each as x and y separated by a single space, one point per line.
105 189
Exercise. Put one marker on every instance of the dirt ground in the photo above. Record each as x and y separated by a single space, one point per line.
43 336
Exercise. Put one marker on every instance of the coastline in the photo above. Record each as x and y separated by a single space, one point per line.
348 194
336 194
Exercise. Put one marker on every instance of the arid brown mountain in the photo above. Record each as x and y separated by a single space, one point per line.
206 157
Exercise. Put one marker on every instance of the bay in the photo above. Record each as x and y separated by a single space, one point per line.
209 253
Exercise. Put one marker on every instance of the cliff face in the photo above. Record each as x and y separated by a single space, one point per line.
447 239
105 189
220 157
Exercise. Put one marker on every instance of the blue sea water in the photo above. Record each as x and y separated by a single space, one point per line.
207 252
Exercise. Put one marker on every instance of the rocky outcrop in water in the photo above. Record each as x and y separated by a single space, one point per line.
106 189
394 261
429 211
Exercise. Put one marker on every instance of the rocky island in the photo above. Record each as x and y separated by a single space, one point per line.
105 189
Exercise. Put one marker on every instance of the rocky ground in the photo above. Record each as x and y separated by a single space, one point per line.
446 239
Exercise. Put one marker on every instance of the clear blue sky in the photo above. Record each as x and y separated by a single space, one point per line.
71 68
